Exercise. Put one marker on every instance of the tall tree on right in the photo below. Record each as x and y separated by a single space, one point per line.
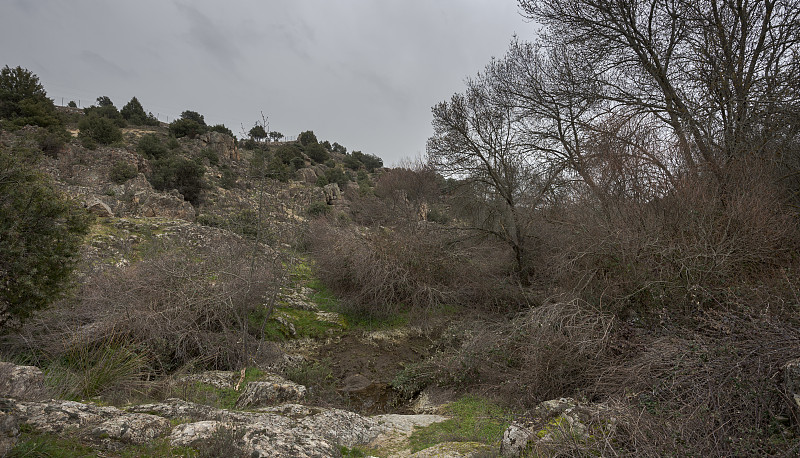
720 73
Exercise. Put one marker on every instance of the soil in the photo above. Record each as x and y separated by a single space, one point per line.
364 365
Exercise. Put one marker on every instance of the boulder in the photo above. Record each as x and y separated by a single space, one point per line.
194 434
307 175
168 205
556 420
269 391
223 144
103 424
99 208
515 438
332 193
9 426
25 383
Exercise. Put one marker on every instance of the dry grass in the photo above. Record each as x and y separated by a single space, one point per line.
384 271
182 305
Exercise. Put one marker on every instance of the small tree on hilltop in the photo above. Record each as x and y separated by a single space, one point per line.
307 138
134 113
104 101
258 133
193 116
23 100
275 136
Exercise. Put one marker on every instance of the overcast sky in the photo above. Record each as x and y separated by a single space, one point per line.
364 73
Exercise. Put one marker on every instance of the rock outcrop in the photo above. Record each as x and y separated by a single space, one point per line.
270 391
25 383
223 144
556 420
106 426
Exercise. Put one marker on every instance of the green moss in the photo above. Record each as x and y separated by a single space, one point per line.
475 419
223 398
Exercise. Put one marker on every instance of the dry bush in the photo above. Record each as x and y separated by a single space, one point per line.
199 304
677 251
714 391
383 271
546 352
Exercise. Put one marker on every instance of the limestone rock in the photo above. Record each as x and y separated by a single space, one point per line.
101 423
556 420
223 144
99 208
24 383
265 440
307 175
272 390
194 434
132 428
332 193
9 426
515 438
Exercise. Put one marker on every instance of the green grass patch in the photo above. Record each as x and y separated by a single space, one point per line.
41 445
306 324
34 444
355 452
222 398
475 419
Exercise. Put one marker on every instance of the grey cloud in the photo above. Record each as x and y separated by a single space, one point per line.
203 32
104 65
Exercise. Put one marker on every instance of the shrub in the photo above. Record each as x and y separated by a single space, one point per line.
307 138
72 104
297 163
221 128
51 141
382 271
683 251
99 129
106 109
178 173
134 113
546 352
151 147
286 153
193 116
250 144
318 208
352 162
23 100
211 155
334 175
122 171
41 232
186 128
278 170
173 143
370 161
228 180
317 153
181 305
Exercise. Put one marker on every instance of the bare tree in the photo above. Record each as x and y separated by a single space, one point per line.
478 141
713 71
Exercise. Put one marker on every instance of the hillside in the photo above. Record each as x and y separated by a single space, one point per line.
170 290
